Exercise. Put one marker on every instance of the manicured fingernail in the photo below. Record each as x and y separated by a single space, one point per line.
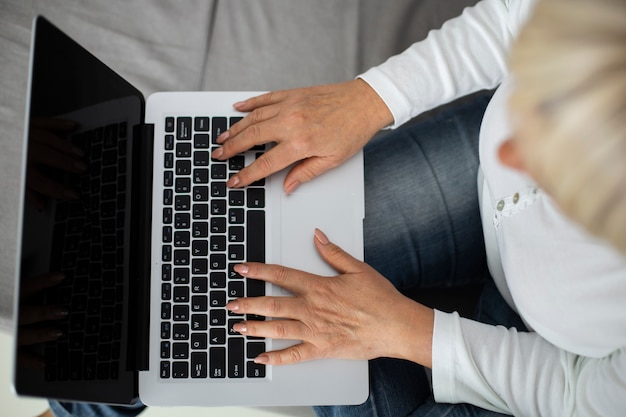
239 104
217 154
233 305
321 237
233 181
291 187
240 328
242 268
262 359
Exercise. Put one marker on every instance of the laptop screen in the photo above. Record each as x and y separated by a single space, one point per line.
76 247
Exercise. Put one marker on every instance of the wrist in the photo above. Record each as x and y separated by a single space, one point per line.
415 331
375 109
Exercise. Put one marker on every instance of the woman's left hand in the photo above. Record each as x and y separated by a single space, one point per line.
357 314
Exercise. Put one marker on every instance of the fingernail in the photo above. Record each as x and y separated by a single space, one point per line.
262 359
233 181
240 328
233 305
242 268
239 104
321 237
217 154
291 187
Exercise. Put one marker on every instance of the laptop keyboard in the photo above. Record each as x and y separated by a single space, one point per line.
207 229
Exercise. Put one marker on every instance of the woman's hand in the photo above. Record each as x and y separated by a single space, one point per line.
357 314
318 127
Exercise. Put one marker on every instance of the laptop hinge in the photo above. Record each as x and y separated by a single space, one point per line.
141 231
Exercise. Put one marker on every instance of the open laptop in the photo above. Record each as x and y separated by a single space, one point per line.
121 197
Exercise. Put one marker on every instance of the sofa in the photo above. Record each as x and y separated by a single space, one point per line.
160 45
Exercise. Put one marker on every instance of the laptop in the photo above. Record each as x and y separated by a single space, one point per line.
128 240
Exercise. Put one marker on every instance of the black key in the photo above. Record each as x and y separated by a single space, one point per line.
181 332
167 215
255 288
201 176
199 285
168 160
181 239
168 178
255 370
235 234
200 248
217 362
166 330
236 216
166 272
217 317
182 202
218 225
166 291
218 127
199 267
166 254
169 124
201 124
169 142
165 369
235 289
199 303
199 341
181 220
183 150
254 349
167 234
181 294
218 261
199 365
217 280
201 141
167 197
217 298
180 350
218 189
199 321
181 257
201 158
200 211
236 197
200 229
181 276
200 193
218 171
217 336
218 243
256 198
218 207
235 252
166 311
235 357
180 313
255 236
165 350
183 185
183 167
183 128
180 370
236 163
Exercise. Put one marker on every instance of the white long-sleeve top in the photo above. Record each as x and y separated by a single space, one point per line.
569 287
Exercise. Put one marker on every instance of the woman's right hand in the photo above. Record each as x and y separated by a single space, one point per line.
318 128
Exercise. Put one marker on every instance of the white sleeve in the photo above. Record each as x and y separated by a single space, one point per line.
467 54
521 373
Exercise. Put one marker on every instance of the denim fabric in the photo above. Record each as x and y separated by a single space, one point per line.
67 409
423 230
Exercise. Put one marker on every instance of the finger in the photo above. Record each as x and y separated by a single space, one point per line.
265 99
265 165
38 283
40 314
336 257
305 171
290 279
273 329
294 354
282 307
240 131
27 337
255 133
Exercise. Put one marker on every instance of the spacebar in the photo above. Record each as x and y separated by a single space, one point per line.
255 236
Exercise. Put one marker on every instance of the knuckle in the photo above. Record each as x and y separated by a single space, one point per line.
280 330
274 307
295 354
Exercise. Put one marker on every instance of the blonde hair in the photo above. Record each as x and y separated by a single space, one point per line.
569 68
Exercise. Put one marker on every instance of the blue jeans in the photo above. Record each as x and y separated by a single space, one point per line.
422 230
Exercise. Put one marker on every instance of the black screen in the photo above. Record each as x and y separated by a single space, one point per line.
76 249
